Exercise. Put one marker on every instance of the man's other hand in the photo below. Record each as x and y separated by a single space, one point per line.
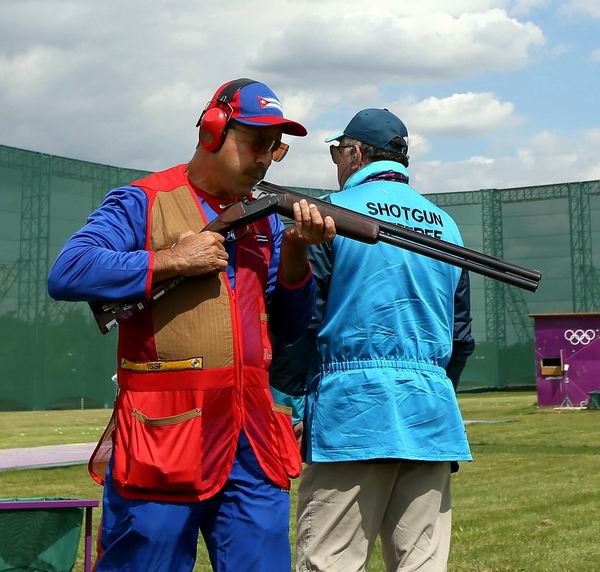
298 432
309 226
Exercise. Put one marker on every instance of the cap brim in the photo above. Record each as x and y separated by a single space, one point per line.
288 126
335 137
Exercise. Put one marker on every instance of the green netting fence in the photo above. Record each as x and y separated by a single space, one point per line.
53 357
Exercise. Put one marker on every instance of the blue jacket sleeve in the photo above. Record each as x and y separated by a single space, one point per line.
106 260
290 306
463 343
294 364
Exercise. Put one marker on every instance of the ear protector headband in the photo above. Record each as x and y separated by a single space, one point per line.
214 121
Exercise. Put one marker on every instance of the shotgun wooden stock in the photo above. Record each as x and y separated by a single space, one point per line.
109 314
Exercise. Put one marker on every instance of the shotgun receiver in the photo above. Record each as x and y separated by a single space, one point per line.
271 198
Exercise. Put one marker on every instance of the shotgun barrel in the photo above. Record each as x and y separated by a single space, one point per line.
371 230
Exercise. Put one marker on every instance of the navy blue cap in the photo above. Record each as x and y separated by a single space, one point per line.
377 127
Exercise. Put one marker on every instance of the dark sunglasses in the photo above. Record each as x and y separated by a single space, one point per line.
336 152
261 144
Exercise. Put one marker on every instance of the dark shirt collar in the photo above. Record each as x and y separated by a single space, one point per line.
388 176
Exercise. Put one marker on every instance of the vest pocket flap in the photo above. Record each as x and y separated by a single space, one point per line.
163 421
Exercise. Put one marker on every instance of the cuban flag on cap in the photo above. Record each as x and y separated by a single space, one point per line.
256 104
272 102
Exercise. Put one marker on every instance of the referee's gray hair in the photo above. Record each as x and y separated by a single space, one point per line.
371 153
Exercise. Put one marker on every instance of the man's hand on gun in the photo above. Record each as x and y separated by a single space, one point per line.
194 254
309 225
200 253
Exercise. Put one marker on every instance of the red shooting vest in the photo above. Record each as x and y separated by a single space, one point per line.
193 369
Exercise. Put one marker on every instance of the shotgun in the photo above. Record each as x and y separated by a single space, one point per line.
270 198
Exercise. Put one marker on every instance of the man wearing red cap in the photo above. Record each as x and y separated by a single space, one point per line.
197 442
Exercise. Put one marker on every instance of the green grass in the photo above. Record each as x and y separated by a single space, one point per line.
35 428
527 503
529 500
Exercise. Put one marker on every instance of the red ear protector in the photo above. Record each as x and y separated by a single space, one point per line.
216 115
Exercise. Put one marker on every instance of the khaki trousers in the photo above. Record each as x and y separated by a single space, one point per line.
342 507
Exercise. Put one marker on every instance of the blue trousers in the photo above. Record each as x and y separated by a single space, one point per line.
245 526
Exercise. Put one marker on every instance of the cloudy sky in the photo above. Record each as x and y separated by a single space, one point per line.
495 93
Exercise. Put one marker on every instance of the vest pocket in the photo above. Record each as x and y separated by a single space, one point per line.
286 440
159 453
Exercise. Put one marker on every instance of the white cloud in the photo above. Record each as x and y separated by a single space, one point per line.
596 55
124 82
395 44
460 114
29 74
520 7
419 145
546 158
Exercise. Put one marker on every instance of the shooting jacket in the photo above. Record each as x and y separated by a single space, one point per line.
193 368
376 359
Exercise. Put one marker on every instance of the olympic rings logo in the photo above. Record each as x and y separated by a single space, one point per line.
583 337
